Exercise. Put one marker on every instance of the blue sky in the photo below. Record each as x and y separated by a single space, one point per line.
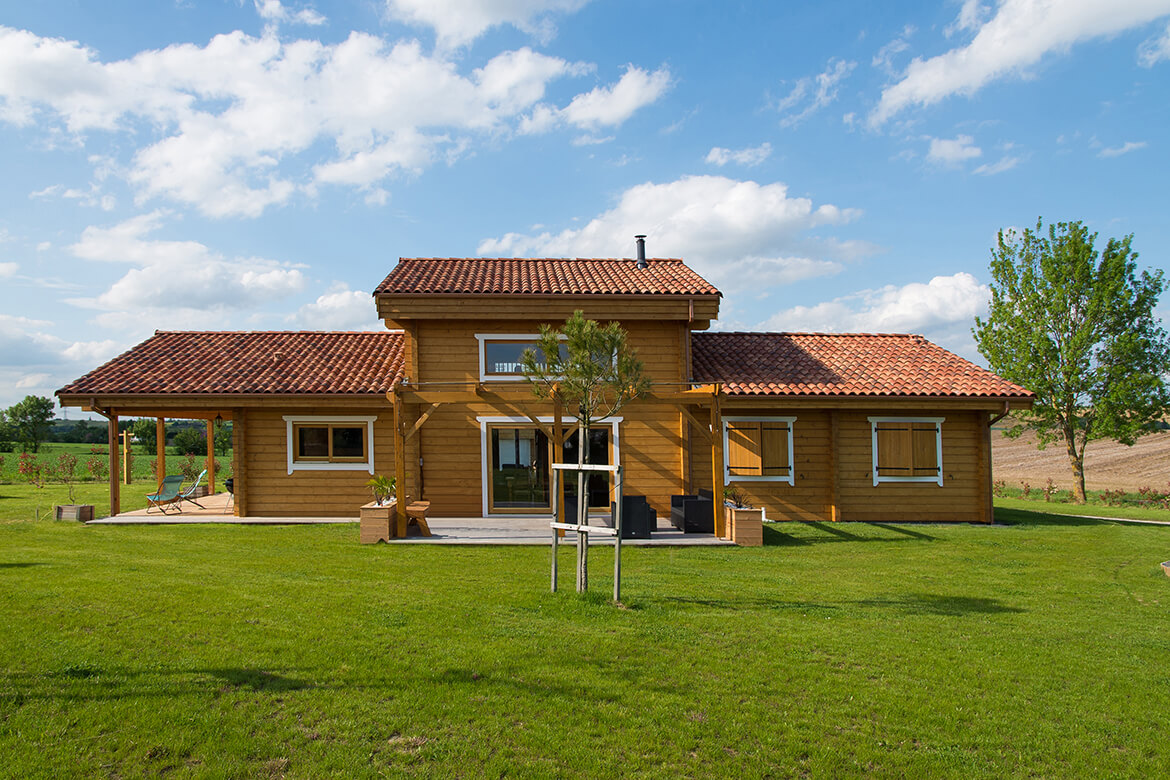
844 166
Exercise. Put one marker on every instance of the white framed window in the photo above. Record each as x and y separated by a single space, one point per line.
907 449
758 449
500 354
330 442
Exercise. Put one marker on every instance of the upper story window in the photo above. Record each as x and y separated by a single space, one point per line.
758 449
500 354
907 449
317 443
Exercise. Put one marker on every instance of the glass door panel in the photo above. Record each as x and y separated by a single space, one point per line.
519 469
597 484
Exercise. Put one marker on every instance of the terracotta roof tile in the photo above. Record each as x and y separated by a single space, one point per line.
252 362
849 364
541 276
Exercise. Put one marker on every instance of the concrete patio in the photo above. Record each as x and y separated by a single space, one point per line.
445 530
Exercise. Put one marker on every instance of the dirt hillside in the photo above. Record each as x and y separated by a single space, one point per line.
1108 465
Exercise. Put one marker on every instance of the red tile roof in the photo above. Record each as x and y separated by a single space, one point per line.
541 276
252 362
840 364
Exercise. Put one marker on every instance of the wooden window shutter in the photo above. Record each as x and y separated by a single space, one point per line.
925 448
743 449
774 449
895 453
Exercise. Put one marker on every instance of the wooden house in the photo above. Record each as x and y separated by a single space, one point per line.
810 426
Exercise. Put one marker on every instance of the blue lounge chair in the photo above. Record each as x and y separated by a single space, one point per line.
168 493
188 494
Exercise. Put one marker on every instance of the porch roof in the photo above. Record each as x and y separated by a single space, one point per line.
250 362
841 364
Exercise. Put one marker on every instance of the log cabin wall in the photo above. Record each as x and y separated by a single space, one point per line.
650 436
965 464
273 492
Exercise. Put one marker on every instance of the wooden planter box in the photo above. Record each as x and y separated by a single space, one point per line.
377 522
81 512
745 527
201 491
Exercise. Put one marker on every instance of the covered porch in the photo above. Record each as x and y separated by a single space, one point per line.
534 530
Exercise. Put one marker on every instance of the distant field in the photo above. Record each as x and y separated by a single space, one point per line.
1108 465
141 460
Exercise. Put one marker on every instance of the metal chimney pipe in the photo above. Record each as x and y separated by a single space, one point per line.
641 241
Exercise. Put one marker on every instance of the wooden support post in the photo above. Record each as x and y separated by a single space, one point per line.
210 457
834 467
160 449
717 464
115 497
127 460
240 462
558 455
400 461
984 469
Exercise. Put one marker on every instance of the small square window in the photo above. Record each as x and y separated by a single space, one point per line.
320 443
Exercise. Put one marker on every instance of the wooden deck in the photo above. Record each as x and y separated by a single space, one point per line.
445 530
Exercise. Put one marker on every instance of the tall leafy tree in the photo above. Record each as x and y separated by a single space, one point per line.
594 372
1077 328
31 420
145 432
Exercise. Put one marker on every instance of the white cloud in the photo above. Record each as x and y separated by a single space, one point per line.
177 282
227 125
943 309
1125 148
274 11
458 22
749 157
8 269
34 361
971 16
810 94
1005 163
952 151
603 106
884 59
44 246
734 233
1155 50
339 309
1017 37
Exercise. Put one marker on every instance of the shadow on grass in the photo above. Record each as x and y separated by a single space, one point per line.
836 532
934 604
91 682
20 565
1025 517
747 603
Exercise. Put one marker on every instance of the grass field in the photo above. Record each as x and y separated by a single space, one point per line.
140 461
1039 648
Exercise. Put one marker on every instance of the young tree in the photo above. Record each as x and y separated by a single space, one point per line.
190 441
1078 329
591 369
145 432
223 437
31 420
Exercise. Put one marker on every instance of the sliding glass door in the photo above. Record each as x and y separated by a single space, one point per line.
518 471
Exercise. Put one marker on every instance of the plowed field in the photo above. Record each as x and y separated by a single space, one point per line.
1108 465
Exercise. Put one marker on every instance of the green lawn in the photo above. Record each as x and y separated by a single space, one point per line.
1040 648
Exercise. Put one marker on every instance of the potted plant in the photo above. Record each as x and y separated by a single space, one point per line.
378 516
65 471
745 523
